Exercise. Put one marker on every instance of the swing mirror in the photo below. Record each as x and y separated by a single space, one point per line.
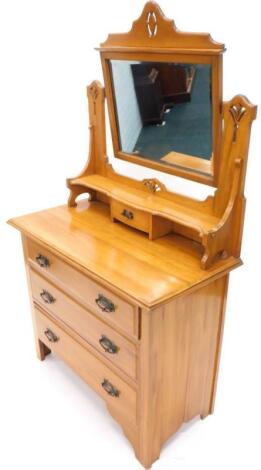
164 91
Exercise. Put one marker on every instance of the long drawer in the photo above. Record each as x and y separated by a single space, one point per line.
106 304
107 341
107 384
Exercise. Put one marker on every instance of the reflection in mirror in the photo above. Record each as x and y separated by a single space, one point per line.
163 110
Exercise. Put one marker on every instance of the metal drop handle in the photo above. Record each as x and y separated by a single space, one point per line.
110 389
47 297
42 260
51 336
108 345
105 304
128 214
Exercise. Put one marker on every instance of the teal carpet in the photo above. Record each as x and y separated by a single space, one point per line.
188 127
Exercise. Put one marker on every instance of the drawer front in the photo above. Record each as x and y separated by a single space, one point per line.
103 338
108 385
108 306
130 216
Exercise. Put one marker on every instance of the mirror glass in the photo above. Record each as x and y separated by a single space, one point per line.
163 109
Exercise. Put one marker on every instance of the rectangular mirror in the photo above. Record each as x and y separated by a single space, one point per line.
166 111
163 109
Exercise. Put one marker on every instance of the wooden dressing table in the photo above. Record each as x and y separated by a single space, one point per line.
129 285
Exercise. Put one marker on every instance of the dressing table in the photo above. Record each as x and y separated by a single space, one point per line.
128 286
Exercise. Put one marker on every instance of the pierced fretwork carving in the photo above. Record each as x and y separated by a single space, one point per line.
237 112
152 24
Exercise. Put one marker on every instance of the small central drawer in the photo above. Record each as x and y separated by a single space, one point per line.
130 216
110 307
117 393
104 339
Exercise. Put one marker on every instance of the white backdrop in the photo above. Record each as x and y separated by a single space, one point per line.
48 417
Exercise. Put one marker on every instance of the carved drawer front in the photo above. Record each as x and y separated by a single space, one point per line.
118 394
107 305
104 339
130 216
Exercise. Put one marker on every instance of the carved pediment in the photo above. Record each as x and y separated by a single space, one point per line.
154 29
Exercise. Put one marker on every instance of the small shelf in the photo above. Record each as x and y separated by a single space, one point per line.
153 203
147 205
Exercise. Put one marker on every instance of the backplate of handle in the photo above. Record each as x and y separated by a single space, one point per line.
128 214
110 389
105 304
108 345
47 297
42 260
51 336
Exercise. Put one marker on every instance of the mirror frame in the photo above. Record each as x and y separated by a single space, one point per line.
154 38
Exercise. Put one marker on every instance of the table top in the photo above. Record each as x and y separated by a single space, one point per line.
147 272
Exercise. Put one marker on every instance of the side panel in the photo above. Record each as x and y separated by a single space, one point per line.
192 330
180 350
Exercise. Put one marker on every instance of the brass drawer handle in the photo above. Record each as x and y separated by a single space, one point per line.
108 345
51 336
110 389
47 297
128 214
42 260
105 304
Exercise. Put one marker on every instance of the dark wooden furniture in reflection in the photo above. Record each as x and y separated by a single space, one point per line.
176 82
159 86
148 92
